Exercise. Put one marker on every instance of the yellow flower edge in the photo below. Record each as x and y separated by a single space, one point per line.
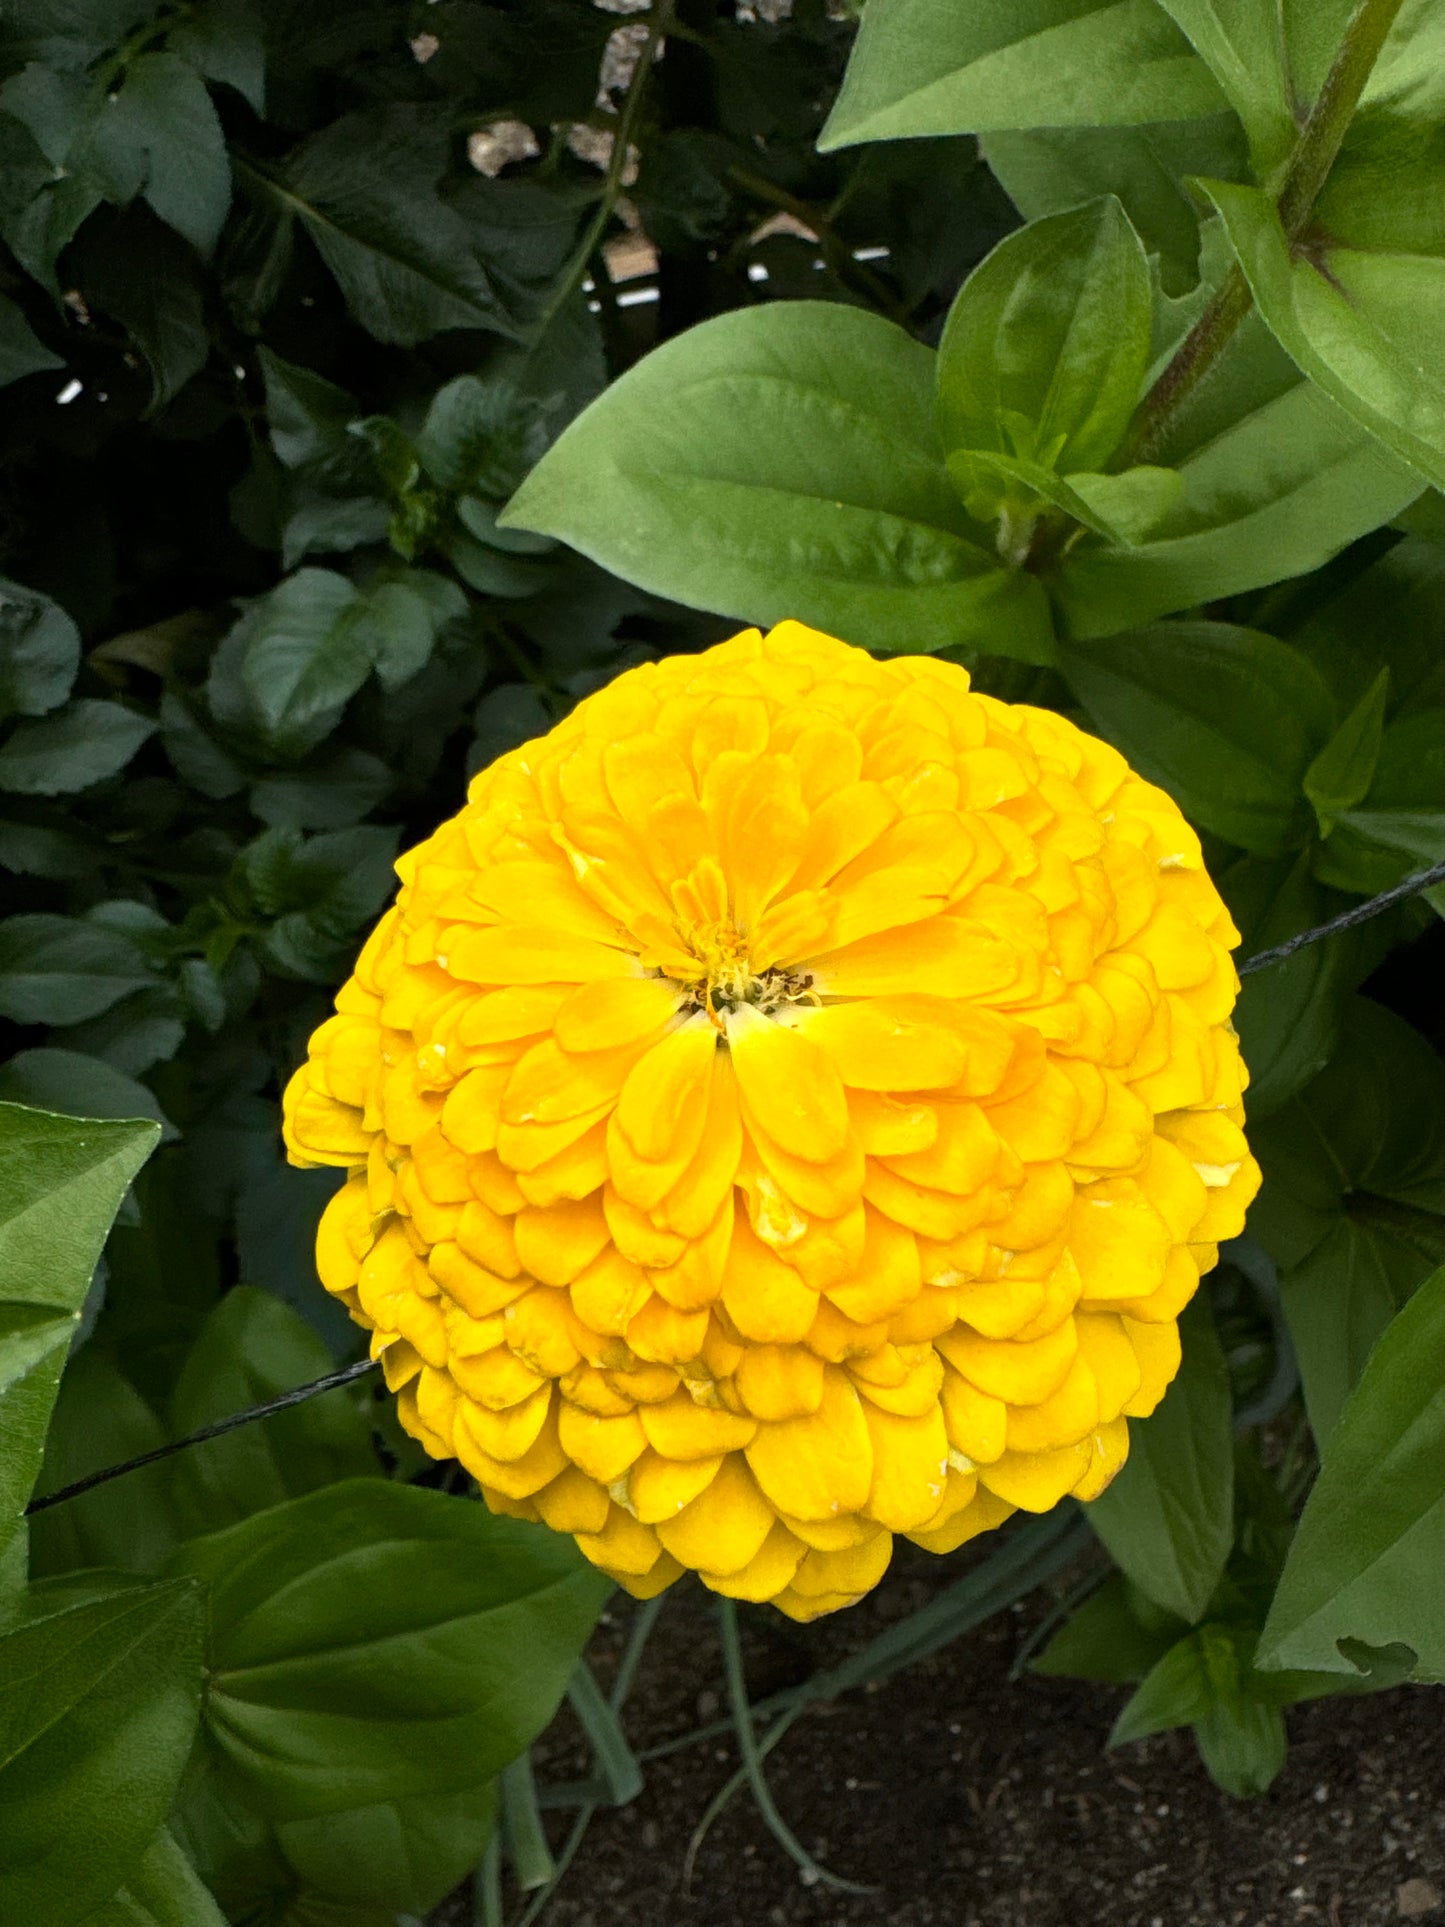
789 1105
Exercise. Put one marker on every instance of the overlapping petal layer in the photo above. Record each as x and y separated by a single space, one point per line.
789 1105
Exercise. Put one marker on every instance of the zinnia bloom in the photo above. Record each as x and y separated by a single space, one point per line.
789 1105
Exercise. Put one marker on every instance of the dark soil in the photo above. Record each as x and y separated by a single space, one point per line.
970 1800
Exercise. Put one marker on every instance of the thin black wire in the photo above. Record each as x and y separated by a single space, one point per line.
346 1376
1346 920
1261 960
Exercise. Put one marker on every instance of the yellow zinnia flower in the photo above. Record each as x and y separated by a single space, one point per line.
789 1105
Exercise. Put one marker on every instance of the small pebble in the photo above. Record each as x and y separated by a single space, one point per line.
1416 1898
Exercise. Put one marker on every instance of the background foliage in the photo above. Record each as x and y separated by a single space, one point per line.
1095 346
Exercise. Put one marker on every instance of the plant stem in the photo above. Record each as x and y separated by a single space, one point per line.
658 22
1309 165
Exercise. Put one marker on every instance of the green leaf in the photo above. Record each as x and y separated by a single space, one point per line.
1353 1204
1047 170
371 1642
164 1890
1168 1517
129 1524
72 748
164 114
61 1183
1044 352
1116 1636
309 416
1275 481
250 1349
59 970
1288 1016
930 67
1362 312
783 461
222 40
1340 776
310 645
144 274
39 652
404 1855
97 1711
407 263
1400 825
1227 720
22 352
1207 1682
1390 614
1243 43
1367 1556
78 1085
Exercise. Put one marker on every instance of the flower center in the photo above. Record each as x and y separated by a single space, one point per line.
726 977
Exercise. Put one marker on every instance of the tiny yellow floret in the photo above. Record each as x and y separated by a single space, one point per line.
789 1105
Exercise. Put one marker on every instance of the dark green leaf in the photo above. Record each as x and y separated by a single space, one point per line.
222 40
75 1085
402 1855
22 352
1340 776
406 262
164 1890
1400 826
72 748
252 1348
1107 1639
129 1524
1353 1205
783 461
929 67
141 272
164 113
1366 1559
97 1710
61 1183
39 652
1244 45
58 970
1207 1681
1228 720
1046 346
1168 1517
372 1641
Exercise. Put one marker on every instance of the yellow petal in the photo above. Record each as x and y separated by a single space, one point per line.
765 1299
724 1528
982 1514
933 958
513 954
766 1573
603 1448
821 1464
1157 1349
623 1546
659 1488
620 1011
1019 1372
780 1381
573 1503
679 1428
826 1581
1036 1481
558 1244
910 1465
789 1085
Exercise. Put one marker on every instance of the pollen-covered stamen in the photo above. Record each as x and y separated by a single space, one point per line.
726 978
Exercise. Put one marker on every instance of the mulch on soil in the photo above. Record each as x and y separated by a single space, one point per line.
970 1800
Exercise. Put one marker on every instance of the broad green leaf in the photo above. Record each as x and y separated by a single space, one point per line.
1045 349
784 461
22 352
164 116
1116 1636
144 275
1363 312
1227 720
1242 44
1390 614
72 748
59 970
1275 481
931 67
365 191
39 652
405 1855
1353 1204
1046 170
1366 1561
164 1890
371 1642
1168 1517
251 1349
61 1184
97 1713
128 1524
1340 776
